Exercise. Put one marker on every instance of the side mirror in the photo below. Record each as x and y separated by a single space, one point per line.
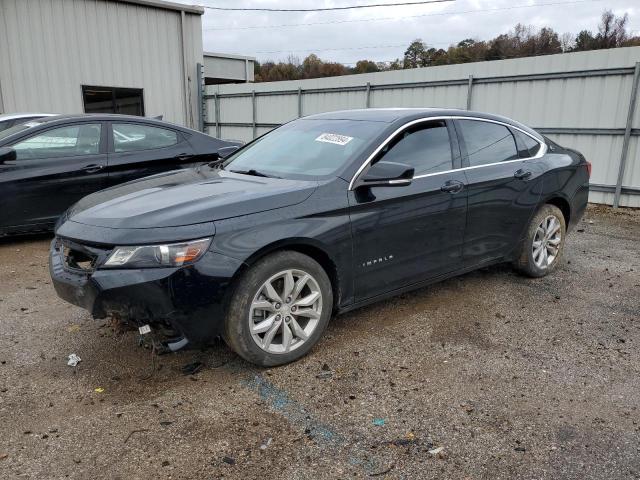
224 152
387 174
7 154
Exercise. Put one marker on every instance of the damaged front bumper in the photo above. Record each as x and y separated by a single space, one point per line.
190 299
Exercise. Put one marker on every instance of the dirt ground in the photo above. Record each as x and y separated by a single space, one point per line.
490 375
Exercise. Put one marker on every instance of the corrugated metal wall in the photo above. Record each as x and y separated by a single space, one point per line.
50 48
581 100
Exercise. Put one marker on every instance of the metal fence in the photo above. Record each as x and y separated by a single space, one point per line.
583 100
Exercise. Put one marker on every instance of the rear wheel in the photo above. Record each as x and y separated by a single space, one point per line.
542 248
279 309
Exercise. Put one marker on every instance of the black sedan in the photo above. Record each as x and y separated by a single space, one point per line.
320 216
48 164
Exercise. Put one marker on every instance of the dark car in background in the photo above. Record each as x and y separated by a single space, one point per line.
322 215
48 164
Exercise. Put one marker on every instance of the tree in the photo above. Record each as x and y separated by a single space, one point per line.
567 42
397 64
546 42
521 41
584 41
366 66
612 31
311 66
437 57
416 55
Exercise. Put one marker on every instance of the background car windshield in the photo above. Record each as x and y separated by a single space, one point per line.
306 148
18 128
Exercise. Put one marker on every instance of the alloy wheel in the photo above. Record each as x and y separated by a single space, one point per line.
285 311
546 242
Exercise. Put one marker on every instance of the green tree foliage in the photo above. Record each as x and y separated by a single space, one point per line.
416 55
522 41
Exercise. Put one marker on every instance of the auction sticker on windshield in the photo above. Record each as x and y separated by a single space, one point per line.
334 138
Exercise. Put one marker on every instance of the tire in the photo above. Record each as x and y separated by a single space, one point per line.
255 312
533 264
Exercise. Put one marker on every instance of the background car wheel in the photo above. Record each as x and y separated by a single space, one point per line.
279 309
542 247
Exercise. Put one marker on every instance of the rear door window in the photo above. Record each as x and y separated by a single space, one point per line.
131 137
425 147
487 142
73 140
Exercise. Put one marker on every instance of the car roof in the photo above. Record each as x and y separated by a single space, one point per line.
402 115
62 120
102 117
14 116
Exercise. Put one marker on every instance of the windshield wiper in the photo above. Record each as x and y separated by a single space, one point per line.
253 172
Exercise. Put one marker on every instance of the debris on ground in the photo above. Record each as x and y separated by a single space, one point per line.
140 430
378 422
229 460
73 360
192 368
435 451
266 444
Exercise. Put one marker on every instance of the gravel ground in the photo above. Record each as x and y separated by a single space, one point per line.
489 375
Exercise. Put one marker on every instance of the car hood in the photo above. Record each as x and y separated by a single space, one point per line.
186 197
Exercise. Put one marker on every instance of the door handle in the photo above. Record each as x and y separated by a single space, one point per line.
452 186
522 174
184 156
93 168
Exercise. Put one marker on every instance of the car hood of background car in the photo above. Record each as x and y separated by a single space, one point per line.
186 197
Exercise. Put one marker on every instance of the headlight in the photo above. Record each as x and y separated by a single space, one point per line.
169 255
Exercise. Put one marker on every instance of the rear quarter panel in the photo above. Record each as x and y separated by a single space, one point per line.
567 177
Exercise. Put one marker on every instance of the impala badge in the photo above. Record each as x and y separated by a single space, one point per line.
375 261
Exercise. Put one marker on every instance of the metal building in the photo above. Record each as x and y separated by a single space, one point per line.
125 56
226 68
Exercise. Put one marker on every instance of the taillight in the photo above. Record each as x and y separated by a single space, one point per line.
589 168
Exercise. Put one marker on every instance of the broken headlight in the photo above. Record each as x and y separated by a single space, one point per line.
168 255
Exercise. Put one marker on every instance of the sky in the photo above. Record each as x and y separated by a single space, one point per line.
382 34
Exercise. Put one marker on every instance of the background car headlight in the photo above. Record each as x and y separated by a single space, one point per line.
168 255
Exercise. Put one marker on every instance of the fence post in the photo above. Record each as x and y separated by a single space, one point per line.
627 135
202 103
299 102
368 98
216 102
254 112
469 92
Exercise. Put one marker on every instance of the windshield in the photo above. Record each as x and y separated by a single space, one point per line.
305 148
18 128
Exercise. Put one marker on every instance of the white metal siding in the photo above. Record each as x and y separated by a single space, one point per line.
587 102
50 48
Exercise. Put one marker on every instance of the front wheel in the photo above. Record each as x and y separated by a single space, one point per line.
542 248
279 310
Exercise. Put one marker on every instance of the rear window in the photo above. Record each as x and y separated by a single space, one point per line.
130 137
